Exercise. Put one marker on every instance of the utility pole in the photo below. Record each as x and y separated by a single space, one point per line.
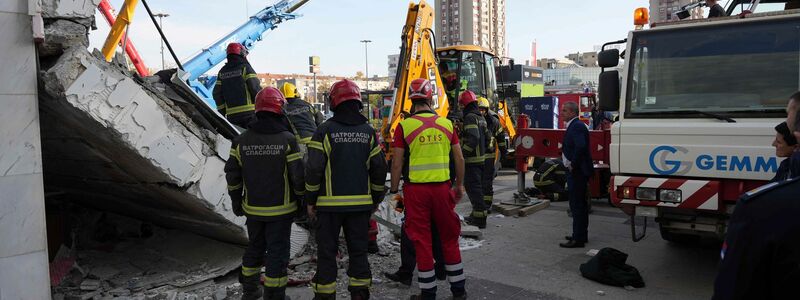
161 24
366 60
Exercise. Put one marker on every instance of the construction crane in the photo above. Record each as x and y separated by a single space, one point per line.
247 34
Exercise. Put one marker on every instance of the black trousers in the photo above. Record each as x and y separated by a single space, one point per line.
487 182
268 246
356 235
473 177
408 257
577 183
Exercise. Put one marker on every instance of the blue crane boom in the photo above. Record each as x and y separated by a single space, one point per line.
247 34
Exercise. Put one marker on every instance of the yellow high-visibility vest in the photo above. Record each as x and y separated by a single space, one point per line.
428 137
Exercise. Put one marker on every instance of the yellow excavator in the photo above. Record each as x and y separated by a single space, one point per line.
451 71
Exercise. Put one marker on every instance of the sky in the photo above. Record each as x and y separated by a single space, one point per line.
333 29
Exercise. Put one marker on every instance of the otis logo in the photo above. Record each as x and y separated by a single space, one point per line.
661 165
426 139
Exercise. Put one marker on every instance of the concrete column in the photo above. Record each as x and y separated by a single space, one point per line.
23 249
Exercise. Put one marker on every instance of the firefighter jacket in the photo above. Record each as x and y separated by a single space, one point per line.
496 137
346 169
265 170
427 139
474 135
236 88
303 117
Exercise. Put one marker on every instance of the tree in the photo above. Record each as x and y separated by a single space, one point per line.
359 75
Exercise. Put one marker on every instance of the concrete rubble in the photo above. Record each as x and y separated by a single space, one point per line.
125 144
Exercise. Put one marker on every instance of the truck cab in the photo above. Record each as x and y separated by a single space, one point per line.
698 101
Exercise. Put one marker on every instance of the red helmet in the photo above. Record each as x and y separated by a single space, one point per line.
344 90
467 97
420 89
270 99
236 48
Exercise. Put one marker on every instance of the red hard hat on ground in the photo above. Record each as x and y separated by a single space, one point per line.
236 48
420 89
467 97
344 90
270 99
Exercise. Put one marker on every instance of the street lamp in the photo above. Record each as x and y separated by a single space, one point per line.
366 60
161 24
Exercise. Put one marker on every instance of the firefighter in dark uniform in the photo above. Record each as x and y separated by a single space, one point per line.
761 253
345 179
495 150
474 141
302 115
268 200
236 87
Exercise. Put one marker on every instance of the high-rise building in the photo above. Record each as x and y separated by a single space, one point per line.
584 59
664 10
472 22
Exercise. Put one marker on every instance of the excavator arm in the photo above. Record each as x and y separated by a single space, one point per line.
417 60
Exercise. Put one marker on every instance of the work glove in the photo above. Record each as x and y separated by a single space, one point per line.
237 209
236 203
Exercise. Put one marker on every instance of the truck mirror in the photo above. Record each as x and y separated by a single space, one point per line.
608 58
609 90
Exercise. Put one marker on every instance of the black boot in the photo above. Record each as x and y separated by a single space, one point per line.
372 247
480 222
251 287
400 277
275 294
359 294
318 296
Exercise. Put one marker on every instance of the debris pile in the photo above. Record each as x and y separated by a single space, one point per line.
127 145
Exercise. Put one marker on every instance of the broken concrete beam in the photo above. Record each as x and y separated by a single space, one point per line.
72 9
63 34
90 285
471 231
126 149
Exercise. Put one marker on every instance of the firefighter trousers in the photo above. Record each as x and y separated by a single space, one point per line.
473 177
272 238
425 203
356 235
487 182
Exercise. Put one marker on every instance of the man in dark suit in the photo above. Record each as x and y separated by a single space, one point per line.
578 160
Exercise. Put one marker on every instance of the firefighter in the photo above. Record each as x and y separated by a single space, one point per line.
302 115
345 179
474 137
421 150
267 147
496 145
236 87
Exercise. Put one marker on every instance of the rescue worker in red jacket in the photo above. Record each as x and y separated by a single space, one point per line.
496 148
474 138
236 87
268 200
421 149
345 179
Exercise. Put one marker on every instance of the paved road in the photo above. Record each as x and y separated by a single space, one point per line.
520 258
524 253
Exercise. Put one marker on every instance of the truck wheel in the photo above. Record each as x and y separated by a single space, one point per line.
678 238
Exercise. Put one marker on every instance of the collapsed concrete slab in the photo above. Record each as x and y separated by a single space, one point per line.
123 146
